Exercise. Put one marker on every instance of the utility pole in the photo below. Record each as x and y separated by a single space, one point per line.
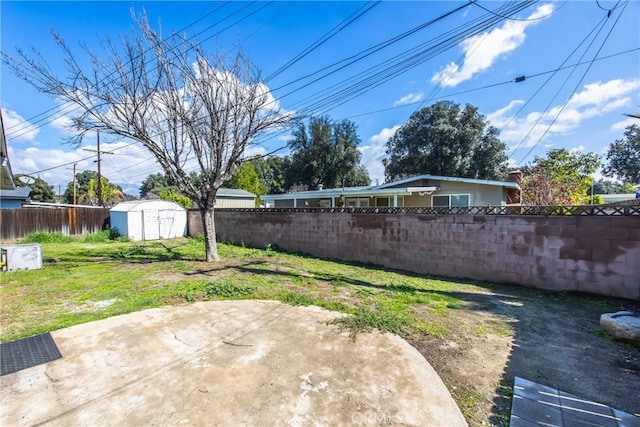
100 201
99 152
74 183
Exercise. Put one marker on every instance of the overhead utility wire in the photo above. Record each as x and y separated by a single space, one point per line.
148 50
373 49
103 79
430 22
521 19
561 67
515 80
581 80
325 38
566 80
66 107
399 64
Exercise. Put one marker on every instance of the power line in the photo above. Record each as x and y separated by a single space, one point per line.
58 107
385 44
325 38
579 82
561 67
106 77
475 3
360 83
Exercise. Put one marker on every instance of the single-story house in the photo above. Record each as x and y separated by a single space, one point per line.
419 191
149 219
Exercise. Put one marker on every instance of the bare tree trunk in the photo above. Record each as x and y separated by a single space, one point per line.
209 226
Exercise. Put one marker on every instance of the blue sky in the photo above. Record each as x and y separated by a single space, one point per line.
579 108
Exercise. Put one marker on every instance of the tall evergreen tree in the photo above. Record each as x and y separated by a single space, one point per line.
326 152
445 139
623 156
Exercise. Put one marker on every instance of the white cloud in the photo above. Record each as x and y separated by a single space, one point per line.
373 153
621 125
576 150
409 98
482 50
63 123
497 118
128 166
17 128
595 99
383 136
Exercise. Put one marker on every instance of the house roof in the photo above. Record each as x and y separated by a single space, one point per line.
387 189
6 176
234 193
20 193
508 184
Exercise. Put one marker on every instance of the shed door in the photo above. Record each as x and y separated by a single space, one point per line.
151 224
167 220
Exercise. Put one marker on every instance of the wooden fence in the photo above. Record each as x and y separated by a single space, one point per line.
17 223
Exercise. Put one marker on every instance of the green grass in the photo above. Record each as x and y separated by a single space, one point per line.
103 275
80 274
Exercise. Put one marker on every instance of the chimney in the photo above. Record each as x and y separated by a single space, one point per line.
319 187
514 196
515 176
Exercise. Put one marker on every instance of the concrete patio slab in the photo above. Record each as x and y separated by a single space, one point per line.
227 363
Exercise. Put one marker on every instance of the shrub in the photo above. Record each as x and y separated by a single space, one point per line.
46 237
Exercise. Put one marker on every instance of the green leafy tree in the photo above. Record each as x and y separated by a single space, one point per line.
155 183
246 178
623 157
607 186
87 190
272 171
560 178
326 152
82 185
171 195
40 190
445 139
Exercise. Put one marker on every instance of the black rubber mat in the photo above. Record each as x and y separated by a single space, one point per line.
27 352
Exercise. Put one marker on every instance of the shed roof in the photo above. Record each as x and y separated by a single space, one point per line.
141 205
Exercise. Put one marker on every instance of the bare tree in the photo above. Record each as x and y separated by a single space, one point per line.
192 110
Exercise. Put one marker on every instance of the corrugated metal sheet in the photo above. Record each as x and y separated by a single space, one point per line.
17 223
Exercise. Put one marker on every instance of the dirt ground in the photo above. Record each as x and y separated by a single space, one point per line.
552 339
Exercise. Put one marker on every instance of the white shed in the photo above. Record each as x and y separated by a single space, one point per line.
149 219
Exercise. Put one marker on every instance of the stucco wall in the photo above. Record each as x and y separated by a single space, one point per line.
599 255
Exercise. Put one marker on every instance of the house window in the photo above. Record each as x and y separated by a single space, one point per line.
382 202
358 202
388 201
325 203
450 200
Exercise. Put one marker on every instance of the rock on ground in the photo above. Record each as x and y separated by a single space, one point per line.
622 325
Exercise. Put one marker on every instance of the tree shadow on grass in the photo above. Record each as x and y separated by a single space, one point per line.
132 254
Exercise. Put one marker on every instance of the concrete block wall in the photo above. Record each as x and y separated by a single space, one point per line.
593 254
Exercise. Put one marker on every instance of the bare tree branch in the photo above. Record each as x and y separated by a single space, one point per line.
192 110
